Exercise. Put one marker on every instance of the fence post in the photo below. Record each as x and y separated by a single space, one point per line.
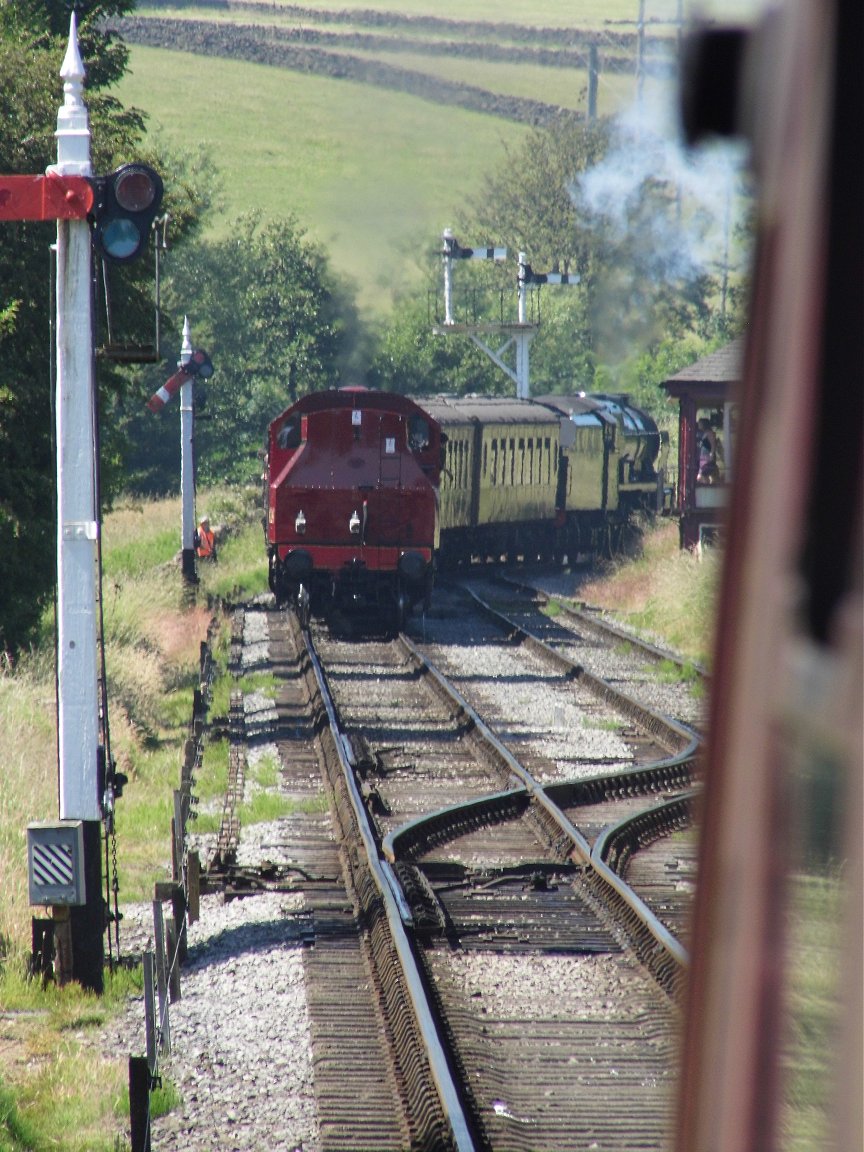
173 963
161 978
179 828
178 905
149 1013
193 885
139 1103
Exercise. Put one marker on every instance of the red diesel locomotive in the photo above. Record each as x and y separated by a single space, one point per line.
351 490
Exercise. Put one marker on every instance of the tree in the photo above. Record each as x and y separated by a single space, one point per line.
265 306
527 203
617 204
412 360
33 40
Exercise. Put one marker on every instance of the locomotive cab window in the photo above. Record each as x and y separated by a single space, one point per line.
418 433
288 435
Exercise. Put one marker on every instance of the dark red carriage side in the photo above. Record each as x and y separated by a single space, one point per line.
352 499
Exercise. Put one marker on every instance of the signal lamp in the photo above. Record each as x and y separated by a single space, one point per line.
124 208
199 364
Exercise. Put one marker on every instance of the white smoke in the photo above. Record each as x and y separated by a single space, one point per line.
672 211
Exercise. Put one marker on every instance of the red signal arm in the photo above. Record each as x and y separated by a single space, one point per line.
50 197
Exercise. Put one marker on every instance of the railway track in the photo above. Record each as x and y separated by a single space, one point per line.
544 1025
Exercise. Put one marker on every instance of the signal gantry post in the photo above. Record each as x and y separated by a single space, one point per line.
520 334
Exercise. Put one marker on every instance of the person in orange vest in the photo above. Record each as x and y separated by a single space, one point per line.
205 540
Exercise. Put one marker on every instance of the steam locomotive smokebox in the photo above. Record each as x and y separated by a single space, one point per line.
55 862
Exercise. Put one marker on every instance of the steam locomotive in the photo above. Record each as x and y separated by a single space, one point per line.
351 488
367 492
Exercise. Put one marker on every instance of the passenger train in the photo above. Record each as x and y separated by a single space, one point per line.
367 493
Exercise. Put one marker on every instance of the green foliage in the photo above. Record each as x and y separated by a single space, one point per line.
16 1134
527 205
640 312
412 360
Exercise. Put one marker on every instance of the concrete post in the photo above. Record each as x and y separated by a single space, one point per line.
523 336
77 527
187 460
448 277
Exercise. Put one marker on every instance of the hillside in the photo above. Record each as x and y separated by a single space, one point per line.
373 125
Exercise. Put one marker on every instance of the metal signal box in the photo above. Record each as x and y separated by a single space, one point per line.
55 862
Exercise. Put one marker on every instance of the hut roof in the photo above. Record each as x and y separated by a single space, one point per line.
720 367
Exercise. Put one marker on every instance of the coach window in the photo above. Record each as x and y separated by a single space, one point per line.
531 461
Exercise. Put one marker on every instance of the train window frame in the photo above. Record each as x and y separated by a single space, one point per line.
417 432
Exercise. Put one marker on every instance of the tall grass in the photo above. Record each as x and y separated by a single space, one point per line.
28 769
666 592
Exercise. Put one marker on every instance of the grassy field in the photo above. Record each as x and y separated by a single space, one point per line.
372 175
664 592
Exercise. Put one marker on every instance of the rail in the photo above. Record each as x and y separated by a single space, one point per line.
398 917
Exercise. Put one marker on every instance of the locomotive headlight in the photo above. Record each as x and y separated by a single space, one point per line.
300 523
354 523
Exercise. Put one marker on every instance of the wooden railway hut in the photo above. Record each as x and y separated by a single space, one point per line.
707 395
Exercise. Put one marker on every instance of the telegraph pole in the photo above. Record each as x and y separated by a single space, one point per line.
77 531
